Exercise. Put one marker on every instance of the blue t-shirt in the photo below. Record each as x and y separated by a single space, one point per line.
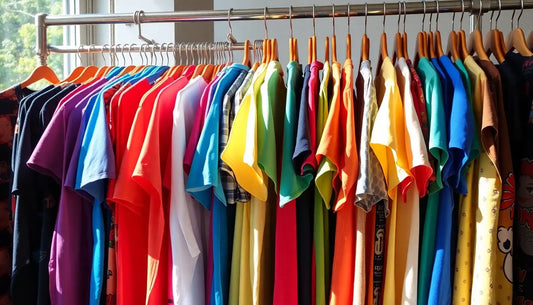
459 140
96 164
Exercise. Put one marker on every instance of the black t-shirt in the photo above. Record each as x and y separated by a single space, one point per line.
36 205
521 135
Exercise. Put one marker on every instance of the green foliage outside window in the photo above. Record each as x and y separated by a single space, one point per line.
17 39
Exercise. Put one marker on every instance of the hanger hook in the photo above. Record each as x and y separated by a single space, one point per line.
521 11
437 19
366 15
499 13
333 17
424 16
462 13
490 19
80 49
137 21
230 34
348 13
399 14
92 47
103 57
404 13
480 8
265 20
129 52
290 20
384 15
430 20
453 21
314 29
122 53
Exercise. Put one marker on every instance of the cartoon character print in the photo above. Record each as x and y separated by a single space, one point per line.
525 207
505 245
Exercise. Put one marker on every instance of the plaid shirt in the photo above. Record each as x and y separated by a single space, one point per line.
230 105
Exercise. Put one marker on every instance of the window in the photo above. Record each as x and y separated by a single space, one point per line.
17 38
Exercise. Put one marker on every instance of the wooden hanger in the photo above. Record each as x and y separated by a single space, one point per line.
293 47
463 49
383 53
333 37
398 42
41 73
476 45
326 49
404 34
492 44
516 39
431 40
438 40
421 39
348 38
365 42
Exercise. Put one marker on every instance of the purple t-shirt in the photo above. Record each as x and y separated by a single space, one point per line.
71 251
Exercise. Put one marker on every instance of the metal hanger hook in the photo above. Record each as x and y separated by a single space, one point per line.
230 34
103 57
384 15
521 11
137 20
462 13
348 15
333 17
424 16
404 13
437 19
499 13
430 20
80 49
399 14
265 20
366 15
290 21
490 19
314 29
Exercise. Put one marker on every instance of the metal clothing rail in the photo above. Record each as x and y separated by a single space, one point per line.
474 7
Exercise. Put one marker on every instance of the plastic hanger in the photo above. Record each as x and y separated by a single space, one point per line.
404 34
348 38
333 37
421 39
476 40
438 40
77 71
365 42
516 39
88 73
398 42
246 53
493 43
41 73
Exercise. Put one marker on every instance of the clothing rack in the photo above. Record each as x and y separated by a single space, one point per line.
474 7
